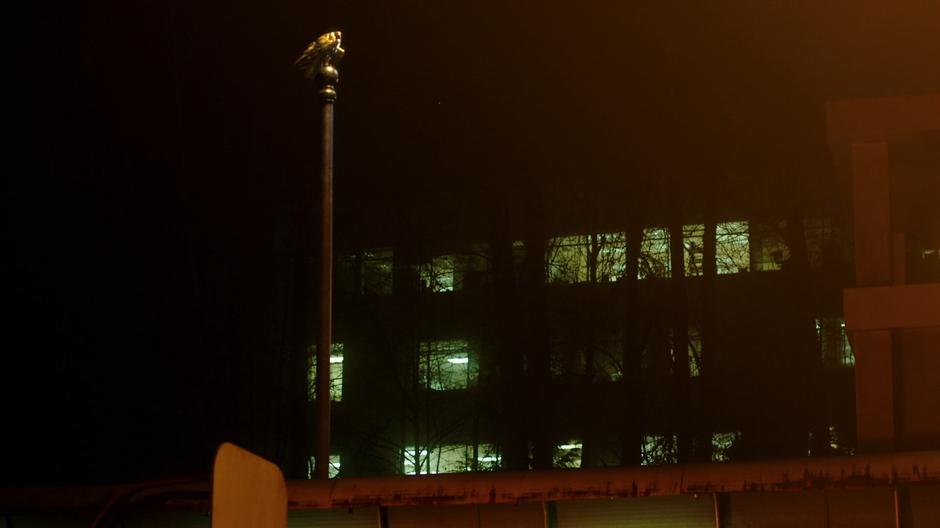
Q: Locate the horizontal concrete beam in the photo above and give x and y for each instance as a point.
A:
(844, 472)
(878, 119)
(515, 487)
(887, 307)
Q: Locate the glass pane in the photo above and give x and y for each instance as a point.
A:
(695, 351)
(693, 243)
(732, 251)
(446, 365)
(722, 445)
(449, 458)
(333, 470)
(820, 243)
(567, 259)
(336, 373)
(416, 462)
(438, 275)
(611, 256)
(654, 254)
(455, 271)
(834, 345)
(769, 249)
(658, 449)
(568, 454)
(488, 458)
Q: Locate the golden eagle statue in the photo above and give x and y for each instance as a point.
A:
(323, 52)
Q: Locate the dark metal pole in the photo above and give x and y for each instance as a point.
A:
(325, 338)
(318, 62)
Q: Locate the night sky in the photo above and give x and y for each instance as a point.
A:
(165, 153)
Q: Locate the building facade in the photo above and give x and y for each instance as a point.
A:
(634, 345)
(691, 337)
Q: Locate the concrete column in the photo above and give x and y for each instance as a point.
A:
(874, 390)
(871, 195)
(874, 372)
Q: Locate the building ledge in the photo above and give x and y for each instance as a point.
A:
(844, 472)
(887, 307)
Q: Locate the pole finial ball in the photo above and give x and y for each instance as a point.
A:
(328, 74)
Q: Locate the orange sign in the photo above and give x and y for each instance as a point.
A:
(247, 491)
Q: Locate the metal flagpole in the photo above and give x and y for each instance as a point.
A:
(318, 63)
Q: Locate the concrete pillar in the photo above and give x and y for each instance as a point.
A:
(874, 368)
(874, 390)
(871, 195)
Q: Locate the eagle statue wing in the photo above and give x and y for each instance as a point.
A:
(325, 51)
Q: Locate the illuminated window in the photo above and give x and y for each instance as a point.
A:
(446, 365)
(567, 259)
(449, 459)
(834, 346)
(336, 373)
(488, 458)
(611, 251)
(442, 459)
(333, 470)
(456, 271)
(453, 459)
(723, 445)
(695, 351)
(567, 455)
(732, 250)
(654, 254)
(438, 275)
(658, 449)
(377, 269)
(416, 462)
(693, 243)
(769, 249)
